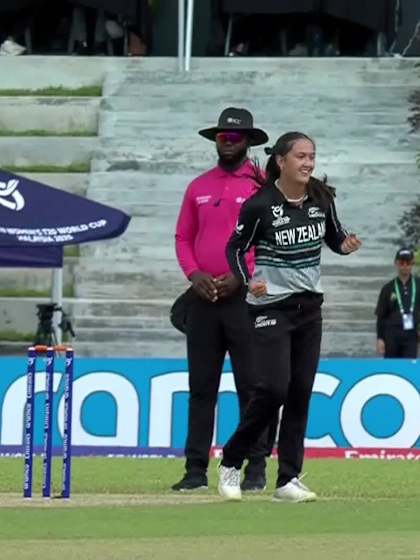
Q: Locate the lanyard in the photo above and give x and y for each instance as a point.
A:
(413, 296)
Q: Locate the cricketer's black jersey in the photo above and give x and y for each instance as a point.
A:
(287, 240)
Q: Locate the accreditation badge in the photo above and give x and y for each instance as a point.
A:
(408, 321)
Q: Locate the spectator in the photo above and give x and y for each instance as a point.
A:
(398, 311)
(79, 31)
(13, 27)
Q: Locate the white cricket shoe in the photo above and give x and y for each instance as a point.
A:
(229, 486)
(294, 492)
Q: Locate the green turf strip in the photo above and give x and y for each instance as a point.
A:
(256, 517)
(330, 478)
(54, 91)
(367, 547)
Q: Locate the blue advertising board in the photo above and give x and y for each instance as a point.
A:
(139, 406)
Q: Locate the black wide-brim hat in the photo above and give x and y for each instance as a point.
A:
(233, 119)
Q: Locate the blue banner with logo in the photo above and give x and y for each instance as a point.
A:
(35, 215)
(139, 406)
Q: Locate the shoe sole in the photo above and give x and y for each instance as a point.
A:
(190, 490)
(229, 498)
(254, 490)
(298, 501)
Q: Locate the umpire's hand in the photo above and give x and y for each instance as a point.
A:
(205, 286)
(226, 285)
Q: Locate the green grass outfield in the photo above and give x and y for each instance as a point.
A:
(123, 508)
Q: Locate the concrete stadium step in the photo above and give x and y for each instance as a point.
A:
(130, 309)
(348, 311)
(161, 284)
(170, 343)
(157, 209)
(153, 284)
(53, 114)
(34, 279)
(33, 151)
(359, 345)
(35, 72)
(139, 323)
(123, 108)
(147, 203)
(348, 344)
(20, 313)
(133, 247)
(37, 279)
(322, 73)
(156, 156)
(332, 283)
(107, 334)
(144, 323)
(139, 186)
(133, 311)
(379, 178)
(171, 106)
(162, 347)
(215, 97)
(125, 126)
(42, 71)
(135, 183)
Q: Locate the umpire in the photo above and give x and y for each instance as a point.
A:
(398, 311)
(217, 320)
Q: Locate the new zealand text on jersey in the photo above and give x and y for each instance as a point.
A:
(300, 234)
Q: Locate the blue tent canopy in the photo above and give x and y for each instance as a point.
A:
(31, 257)
(37, 221)
(36, 215)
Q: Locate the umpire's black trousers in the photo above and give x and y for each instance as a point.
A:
(212, 330)
(287, 339)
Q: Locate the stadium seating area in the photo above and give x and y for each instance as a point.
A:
(147, 150)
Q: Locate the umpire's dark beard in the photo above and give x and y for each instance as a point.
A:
(232, 162)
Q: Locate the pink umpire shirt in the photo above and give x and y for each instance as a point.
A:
(208, 216)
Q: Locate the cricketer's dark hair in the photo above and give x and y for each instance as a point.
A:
(318, 189)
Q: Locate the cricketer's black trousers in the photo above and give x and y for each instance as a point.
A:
(287, 340)
(400, 343)
(213, 329)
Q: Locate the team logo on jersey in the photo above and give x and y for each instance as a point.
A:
(315, 212)
(239, 228)
(278, 212)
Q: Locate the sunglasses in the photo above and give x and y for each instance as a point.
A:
(232, 137)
